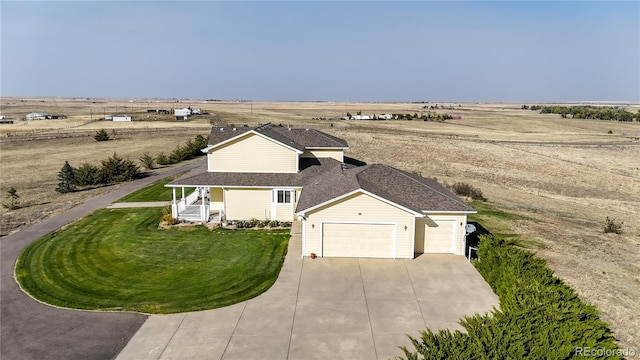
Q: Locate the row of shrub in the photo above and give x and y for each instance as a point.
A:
(110, 171)
(539, 317)
(253, 222)
(615, 113)
(189, 150)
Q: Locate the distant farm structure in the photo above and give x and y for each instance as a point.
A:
(121, 118)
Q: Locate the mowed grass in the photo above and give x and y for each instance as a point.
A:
(118, 259)
(156, 192)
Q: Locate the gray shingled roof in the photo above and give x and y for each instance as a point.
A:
(323, 180)
(405, 189)
(296, 138)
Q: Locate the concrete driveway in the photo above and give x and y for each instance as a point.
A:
(325, 309)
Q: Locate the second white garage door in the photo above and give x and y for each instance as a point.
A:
(439, 238)
(358, 240)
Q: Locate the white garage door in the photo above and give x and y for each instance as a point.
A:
(358, 240)
(439, 237)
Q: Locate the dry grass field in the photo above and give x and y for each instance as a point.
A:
(567, 175)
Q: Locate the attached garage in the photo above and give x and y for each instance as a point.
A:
(440, 235)
(358, 225)
(358, 240)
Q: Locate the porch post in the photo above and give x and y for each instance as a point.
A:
(174, 206)
(203, 195)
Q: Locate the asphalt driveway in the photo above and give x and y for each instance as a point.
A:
(31, 330)
(325, 309)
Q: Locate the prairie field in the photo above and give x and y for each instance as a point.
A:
(566, 175)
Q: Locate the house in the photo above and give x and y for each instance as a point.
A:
(347, 208)
(121, 118)
(182, 114)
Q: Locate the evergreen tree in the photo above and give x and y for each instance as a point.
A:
(13, 196)
(66, 178)
(101, 135)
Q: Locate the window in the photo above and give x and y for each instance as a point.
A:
(284, 196)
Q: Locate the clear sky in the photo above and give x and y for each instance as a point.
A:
(335, 51)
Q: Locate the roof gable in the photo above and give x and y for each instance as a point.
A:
(295, 138)
(246, 134)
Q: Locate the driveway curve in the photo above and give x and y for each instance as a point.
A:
(32, 330)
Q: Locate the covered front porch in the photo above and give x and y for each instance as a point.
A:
(203, 204)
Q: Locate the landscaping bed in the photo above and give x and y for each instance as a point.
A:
(118, 259)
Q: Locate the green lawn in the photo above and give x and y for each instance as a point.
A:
(501, 224)
(118, 259)
(156, 192)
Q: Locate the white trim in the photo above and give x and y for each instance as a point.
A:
(281, 187)
(394, 249)
(326, 148)
(304, 237)
(448, 212)
(255, 133)
(464, 237)
(275, 203)
(224, 203)
(338, 198)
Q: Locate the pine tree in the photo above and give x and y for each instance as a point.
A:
(13, 196)
(101, 135)
(66, 178)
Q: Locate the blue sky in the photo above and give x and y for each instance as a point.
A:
(334, 51)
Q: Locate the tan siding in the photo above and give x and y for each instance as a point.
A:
(243, 204)
(284, 212)
(320, 153)
(216, 199)
(361, 208)
(253, 153)
(426, 227)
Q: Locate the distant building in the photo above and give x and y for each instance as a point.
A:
(37, 116)
(182, 114)
(121, 118)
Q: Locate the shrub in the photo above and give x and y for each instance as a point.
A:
(464, 189)
(263, 223)
(87, 175)
(253, 222)
(610, 132)
(116, 169)
(147, 161)
(274, 223)
(101, 135)
(162, 159)
(285, 224)
(166, 218)
(539, 316)
(612, 226)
